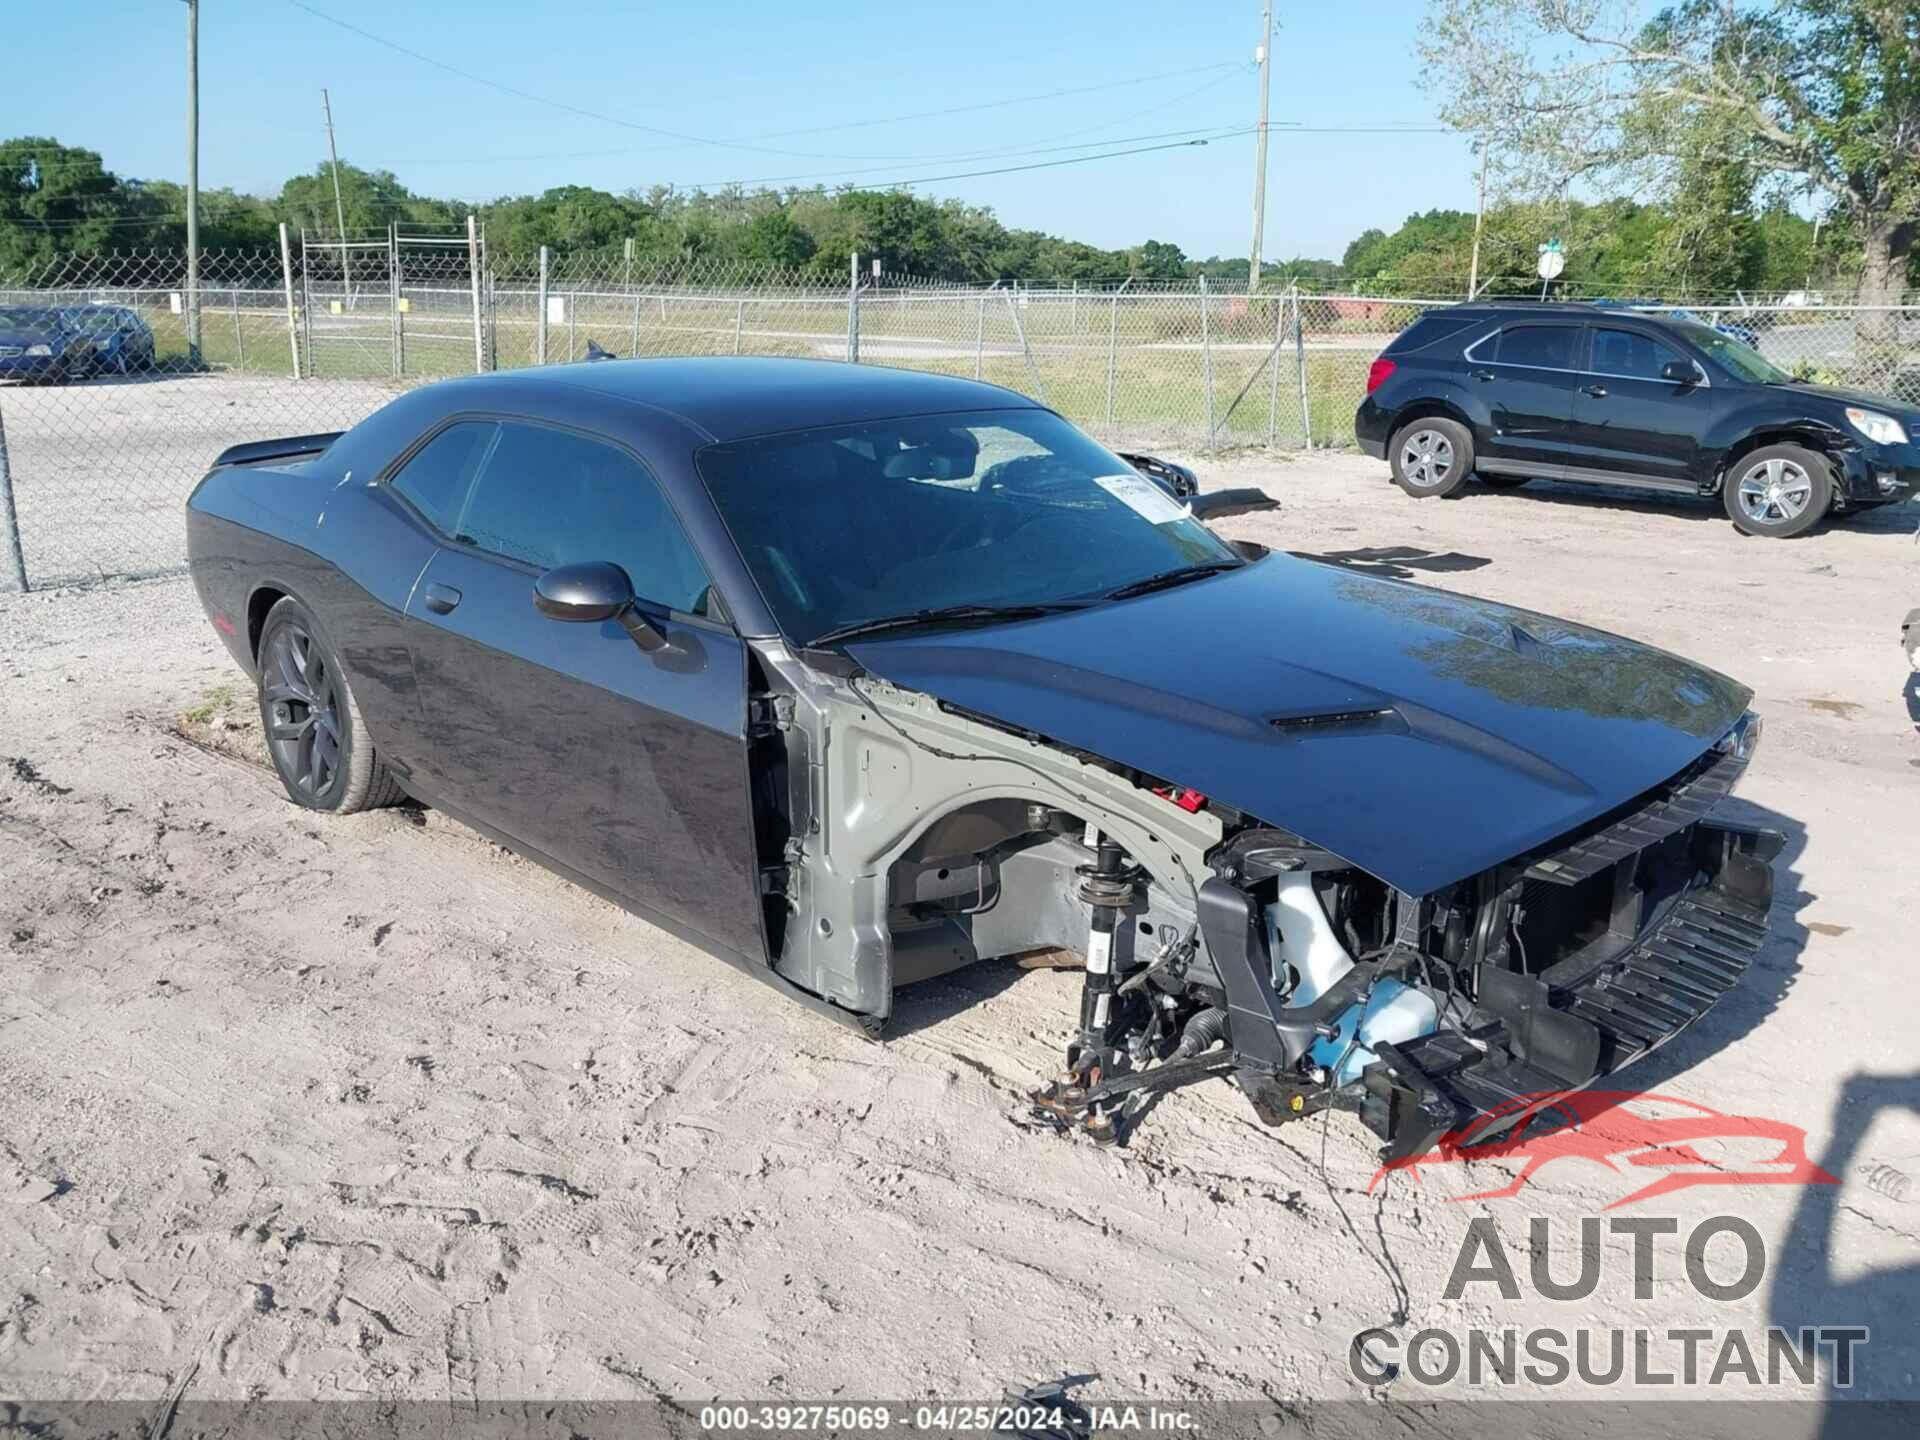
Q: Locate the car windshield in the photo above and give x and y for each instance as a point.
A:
(1743, 360)
(25, 317)
(1005, 508)
(95, 319)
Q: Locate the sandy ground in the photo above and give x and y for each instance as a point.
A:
(297, 1108)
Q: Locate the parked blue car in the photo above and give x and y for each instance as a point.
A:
(43, 343)
(122, 341)
(1733, 330)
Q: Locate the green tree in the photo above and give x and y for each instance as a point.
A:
(56, 199)
(774, 237)
(1822, 95)
(1158, 260)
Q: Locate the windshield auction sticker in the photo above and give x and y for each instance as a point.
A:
(1140, 494)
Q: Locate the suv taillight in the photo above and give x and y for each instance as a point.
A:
(1378, 372)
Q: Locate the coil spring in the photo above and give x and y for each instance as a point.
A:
(1892, 1183)
(1108, 892)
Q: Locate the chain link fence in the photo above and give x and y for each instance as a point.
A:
(150, 373)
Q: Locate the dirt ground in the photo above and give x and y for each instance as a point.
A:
(300, 1108)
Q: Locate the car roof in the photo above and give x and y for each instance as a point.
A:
(1610, 310)
(733, 397)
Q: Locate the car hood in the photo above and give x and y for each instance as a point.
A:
(1420, 735)
(1866, 400)
(13, 336)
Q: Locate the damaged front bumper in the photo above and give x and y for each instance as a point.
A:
(1636, 930)
(1535, 1041)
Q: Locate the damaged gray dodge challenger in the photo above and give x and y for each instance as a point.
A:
(855, 676)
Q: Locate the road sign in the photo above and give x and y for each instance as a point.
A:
(1552, 262)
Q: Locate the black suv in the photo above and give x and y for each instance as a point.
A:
(1515, 392)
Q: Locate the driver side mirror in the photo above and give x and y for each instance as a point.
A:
(593, 591)
(1681, 372)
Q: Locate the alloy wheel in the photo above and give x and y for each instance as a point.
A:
(302, 712)
(1426, 459)
(1775, 493)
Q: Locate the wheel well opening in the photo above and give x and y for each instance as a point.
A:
(1812, 440)
(1428, 410)
(986, 880)
(262, 600)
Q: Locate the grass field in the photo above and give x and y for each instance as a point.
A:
(1137, 373)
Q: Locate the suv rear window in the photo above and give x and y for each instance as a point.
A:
(1545, 347)
(1427, 330)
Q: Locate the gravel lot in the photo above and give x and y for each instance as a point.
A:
(297, 1108)
(100, 468)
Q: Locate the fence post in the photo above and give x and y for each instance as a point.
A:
(633, 345)
(853, 307)
(1206, 360)
(14, 563)
(395, 324)
(239, 343)
(980, 336)
(1300, 361)
(1113, 339)
(286, 281)
(473, 288)
(540, 313)
(1273, 370)
(1026, 350)
(306, 307)
(739, 320)
(573, 310)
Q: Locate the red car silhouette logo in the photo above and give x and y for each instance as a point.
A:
(1613, 1128)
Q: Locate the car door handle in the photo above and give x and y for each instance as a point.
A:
(441, 598)
(1483, 375)
(1598, 392)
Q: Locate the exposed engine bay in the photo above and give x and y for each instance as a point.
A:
(902, 839)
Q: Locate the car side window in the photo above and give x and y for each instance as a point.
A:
(1545, 347)
(549, 497)
(436, 480)
(1630, 354)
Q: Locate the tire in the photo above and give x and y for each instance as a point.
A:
(1503, 482)
(1777, 491)
(1431, 457)
(315, 737)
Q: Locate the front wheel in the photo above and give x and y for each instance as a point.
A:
(314, 732)
(1431, 457)
(1778, 491)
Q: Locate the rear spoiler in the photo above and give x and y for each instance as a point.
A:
(286, 448)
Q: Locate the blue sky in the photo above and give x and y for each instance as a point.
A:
(752, 72)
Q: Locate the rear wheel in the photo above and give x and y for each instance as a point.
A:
(1778, 491)
(314, 733)
(1431, 457)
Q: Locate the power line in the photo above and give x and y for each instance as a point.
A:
(1211, 132)
(677, 135)
(1037, 165)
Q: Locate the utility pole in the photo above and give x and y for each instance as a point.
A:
(1479, 220)
(1263, 54)
(193, 181)
(339, 210)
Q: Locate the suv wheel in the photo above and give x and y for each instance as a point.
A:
(1431, 457)
(1778, 491)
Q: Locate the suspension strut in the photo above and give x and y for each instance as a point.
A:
(1107, 887)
